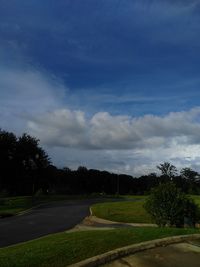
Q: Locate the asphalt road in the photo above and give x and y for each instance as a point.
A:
(46, 219)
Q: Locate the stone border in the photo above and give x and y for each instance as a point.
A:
(125, 251)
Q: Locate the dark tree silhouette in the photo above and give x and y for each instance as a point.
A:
(32, 160)
(23, 163)
(167, 169)
(25, 168)
(189, 174)
(8, 142)
(192, 179)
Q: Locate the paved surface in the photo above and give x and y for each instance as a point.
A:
(98, 222)
(47, 219)
(177, 255)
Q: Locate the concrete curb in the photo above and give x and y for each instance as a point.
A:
(90, 211)
(125, 251)
(93, 219)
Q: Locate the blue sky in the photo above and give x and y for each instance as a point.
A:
(103, 83)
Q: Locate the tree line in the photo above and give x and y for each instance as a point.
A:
(25, 169)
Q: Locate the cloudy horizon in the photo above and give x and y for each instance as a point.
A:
(111, 85)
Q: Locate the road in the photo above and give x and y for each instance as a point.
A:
(178, 255)
(46, 219)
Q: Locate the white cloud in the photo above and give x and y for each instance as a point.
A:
(65, 127)
(32, 101)
(60, 128)
(133, 145)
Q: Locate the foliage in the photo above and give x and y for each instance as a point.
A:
(192, 178)
(25, 168)
(63, 249)
(189, 174)
(167, 169)
(23, 163)
(168, 205)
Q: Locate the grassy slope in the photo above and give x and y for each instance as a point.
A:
(59, 250)
(129, 211)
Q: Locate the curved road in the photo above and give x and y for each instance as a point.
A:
(46, 219)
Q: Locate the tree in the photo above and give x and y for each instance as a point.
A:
(8, 142)
(189, 174)
(168, 205)
(31, 161)
(30, 154)
(191, 178)
(167, 169)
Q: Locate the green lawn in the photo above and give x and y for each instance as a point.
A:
(128, 211)
(11, 206)
(60, 250)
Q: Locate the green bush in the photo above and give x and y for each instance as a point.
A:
(169, 206)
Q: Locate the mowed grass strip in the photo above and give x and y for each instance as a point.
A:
(13, 205)
(127, 211)
(60, 250)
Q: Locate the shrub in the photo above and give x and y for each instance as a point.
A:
(169, 206)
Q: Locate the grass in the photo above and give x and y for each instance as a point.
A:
(128, 211)
(196, 199)
(11, 206)
(59, 250)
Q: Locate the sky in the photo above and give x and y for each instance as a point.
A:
(107, 84)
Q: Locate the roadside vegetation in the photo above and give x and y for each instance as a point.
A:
(168, 205)
(14, 205)
(65, 248)
(127, 211)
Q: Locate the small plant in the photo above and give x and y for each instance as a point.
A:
(169, 206)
